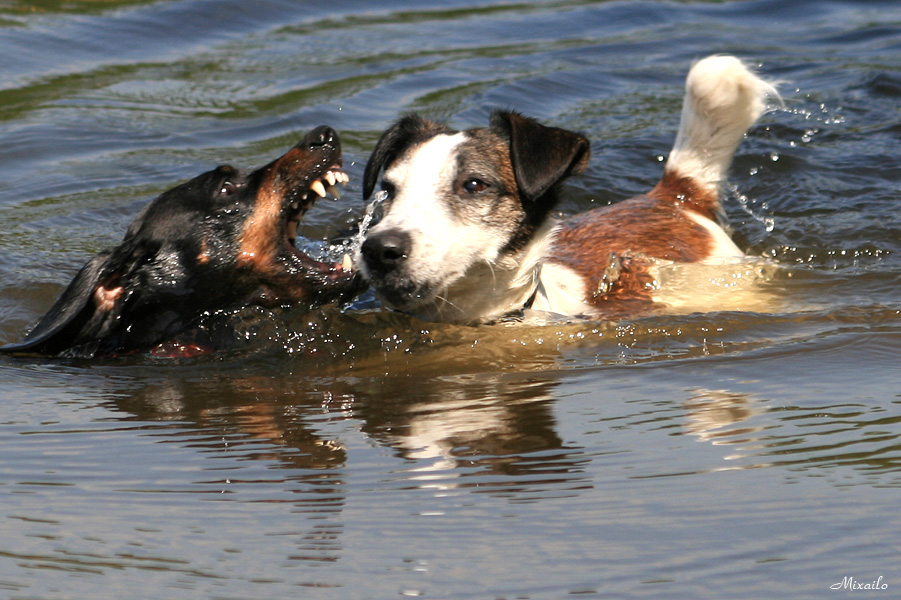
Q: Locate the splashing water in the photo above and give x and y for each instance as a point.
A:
(352, 246)
(349, 246)
(768, 222)
(823, 115)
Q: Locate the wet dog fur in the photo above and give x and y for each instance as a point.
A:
(224, 239)
(467, 233)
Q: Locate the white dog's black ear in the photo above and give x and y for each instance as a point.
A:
(542, 156)
(409, 130)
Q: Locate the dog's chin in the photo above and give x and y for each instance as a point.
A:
(402, 300)
(406, 296)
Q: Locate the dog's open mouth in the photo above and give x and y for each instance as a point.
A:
(310, 171)
(287, 188)
(302, 199)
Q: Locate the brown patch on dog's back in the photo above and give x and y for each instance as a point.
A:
(687, 193)
(613, 248)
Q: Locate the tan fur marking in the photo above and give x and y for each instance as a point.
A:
(105, 298)
(507, 174)
(204, 256)
(258, 244)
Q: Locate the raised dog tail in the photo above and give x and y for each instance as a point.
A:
(723, 98)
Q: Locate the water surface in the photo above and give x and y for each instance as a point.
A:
(359, 454)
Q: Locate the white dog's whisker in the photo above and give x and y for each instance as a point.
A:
(445, 302)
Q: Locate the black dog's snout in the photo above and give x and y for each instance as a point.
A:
(386, 250)
(321, 136)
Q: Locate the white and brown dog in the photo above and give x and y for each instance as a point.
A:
(468, 235)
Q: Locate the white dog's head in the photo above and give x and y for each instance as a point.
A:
(461, 209)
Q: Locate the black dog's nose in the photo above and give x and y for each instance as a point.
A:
(385, 250)
(321, 136)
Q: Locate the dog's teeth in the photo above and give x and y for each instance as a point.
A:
(292, 230)
(344, 177)
(295, 205)
(347, 264)
(329, 177)
(317, 187)
(334, 192)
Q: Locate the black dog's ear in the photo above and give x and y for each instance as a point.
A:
(410, 129)
(91, 301)
(542, 156)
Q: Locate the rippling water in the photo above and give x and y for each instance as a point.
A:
(358, 454)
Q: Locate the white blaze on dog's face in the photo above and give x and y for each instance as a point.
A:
(453, 206)
(456, 221)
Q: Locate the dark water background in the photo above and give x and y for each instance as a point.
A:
(364, 455)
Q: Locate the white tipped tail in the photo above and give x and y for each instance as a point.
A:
(723, 98)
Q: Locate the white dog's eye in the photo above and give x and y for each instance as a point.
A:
(388, 188)
(474, 186)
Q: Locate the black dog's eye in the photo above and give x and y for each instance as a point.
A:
(474, 186)
(227, 189)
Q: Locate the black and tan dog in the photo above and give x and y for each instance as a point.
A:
(224, 239)
(468, 232)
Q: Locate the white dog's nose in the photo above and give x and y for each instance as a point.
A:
(383, 251)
